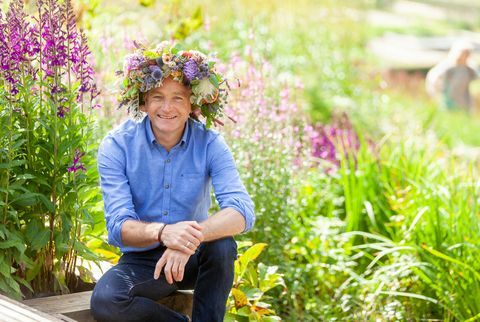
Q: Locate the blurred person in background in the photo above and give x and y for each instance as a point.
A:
(450, 79)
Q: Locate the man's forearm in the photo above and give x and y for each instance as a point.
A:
(140, 234)
(226, 222)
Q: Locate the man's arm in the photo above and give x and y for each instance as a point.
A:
(184, 236)
(226, 222)
(237, 210)
(140, 234)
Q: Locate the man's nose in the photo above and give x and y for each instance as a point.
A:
(167, 105)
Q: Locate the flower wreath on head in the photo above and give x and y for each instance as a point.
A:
(147, 68)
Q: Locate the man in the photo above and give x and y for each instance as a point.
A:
(450, 79)
(155, 177)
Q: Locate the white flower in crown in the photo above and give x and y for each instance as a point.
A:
(205, 92)
(162, 46)
(197, 56)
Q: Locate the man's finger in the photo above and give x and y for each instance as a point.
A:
(187, 249)
(196, 234)
(181, 270)
(175, 269)
(168, 272)
(158, 268)
(191, 245)
(195, 225)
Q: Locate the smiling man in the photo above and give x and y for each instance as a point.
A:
(156, 176)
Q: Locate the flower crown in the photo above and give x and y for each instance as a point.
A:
(147, 68)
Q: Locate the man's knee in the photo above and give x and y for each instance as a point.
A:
(224, 249)
(105, 306)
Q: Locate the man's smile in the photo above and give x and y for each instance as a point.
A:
(166, 117)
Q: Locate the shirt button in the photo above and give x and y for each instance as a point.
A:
(168, 161)
(165, 212)
(167, 186)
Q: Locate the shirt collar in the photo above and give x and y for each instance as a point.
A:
(151, 137)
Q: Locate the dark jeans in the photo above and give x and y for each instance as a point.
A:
(128, 291)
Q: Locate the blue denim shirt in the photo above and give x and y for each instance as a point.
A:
(140, 180)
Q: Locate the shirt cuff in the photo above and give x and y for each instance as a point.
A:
(246, 210)
(115, 224)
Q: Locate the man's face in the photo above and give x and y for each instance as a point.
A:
(168, 107)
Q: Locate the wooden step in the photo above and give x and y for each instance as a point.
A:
(76, 306)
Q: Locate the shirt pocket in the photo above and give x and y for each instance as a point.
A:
(188, 192)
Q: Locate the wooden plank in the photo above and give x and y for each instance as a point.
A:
(76, 306)
(12, 311)
(62, 303)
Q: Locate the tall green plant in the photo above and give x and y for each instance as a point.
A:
(48, 92)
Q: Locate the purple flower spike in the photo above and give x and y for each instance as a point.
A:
(77, 165)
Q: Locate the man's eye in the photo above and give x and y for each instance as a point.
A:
(178, 98)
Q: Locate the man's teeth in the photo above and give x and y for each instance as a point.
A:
(167, 117)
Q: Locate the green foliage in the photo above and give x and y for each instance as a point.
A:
(46, 206)
(251, 282)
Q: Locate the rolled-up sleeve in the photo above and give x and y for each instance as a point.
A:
(229, 189)
(117, 196)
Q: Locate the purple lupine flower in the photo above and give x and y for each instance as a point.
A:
(191, 70)
(54, 37)
(329, 142)
(61, 111)
(77, 165)
(69, 18)
(322, 145)
(84, 71)
(18, 45)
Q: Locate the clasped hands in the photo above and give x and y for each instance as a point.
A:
(181, 240)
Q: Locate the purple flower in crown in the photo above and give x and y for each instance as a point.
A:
(132, 62)
(77, 165)
(156, 72)
(191, 70)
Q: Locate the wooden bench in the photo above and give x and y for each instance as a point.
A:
(76, 306)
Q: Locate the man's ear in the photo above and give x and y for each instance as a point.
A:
(142, 107)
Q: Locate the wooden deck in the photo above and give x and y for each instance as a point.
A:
(76, 307)
(13, 311)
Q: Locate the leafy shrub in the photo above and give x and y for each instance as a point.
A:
(251, 282)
